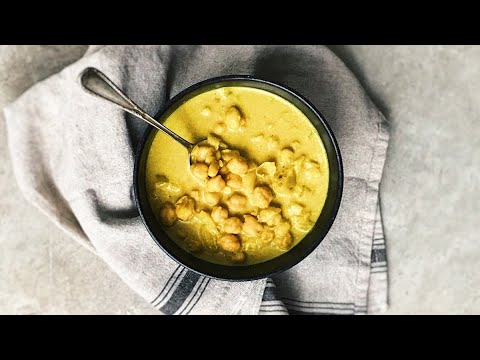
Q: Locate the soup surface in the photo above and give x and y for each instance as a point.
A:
(253, 191)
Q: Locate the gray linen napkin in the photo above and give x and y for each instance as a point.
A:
(73, 158)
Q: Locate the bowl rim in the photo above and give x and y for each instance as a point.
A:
(218, 79)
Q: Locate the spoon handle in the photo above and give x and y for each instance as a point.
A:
(97, 83)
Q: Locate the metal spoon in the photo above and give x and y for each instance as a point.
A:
(97, 83)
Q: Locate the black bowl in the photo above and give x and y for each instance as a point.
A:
(280, 263)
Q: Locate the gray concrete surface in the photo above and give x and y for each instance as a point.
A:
(430, 190)
(429, 196)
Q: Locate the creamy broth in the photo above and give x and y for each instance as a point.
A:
(284, 155)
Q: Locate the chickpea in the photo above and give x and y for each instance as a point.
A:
(286, 156)
(210, 159)
(282, 229)
(238, 165)
(271, 216)
(229, 243)
(228, 154)
(223, 170)
(213, 140)
(167, 214)
(237, 202)
(216, 184)
(199, 171)
(267, 235)
(262, 197)
(266, 170)
(251, 226)
(248, 181)
(184, 208)
(234, 181)
(219, 214)
(195, 194)
(200, 207)
(213, 169)
(212, 198)
(258, 139)
(272, 142)
(286, 241)
(294, 209)
(201, 152)
(238, 257)
(233, 225)
(233, 118)
(220, 128)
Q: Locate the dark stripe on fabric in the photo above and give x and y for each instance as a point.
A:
(181, 293)
(198, 298)
(298, 312)
(173, 285)
(202, 280)
(379, 255)
(320, 303)
(166, 284)
(320, 307)
(270, 294)
(271, 305)
(273, 312)
(326, 306)
(282, 310)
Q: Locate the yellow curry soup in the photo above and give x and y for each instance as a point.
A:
(253, 191)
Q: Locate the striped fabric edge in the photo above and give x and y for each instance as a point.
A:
(170, 286)
(379, 251)
(278, 311)
(299, 307)
(181, 293)
(198, 294)
(378, 288)
(378, 270)
(379, 255)
(271, 302)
